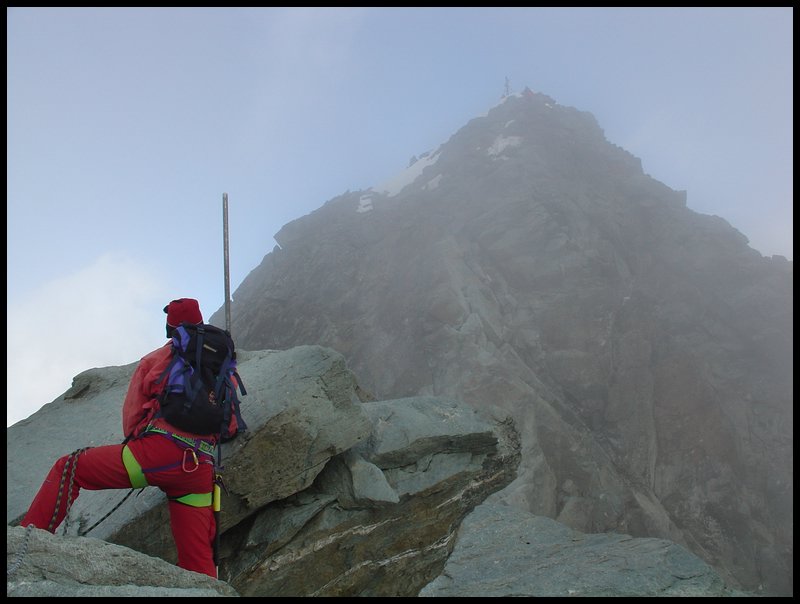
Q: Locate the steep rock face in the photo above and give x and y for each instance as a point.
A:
(644, 350)
(326, 494)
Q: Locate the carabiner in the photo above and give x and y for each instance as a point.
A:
(194, 458)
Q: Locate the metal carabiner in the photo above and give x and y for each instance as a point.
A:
(194, 458)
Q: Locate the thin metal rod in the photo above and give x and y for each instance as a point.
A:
(227, 261)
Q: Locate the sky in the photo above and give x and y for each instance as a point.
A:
(126, 126)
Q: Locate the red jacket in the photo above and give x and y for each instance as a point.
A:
(141, 401)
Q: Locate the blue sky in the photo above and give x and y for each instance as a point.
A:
(125, 126)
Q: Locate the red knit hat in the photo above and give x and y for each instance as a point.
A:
(183, 310)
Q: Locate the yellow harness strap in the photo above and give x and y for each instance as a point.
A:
(138, 479)
(196, 500)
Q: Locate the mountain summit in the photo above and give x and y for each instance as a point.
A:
(644, 349)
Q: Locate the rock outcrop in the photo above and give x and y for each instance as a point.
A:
(43, 565)
(328, 494)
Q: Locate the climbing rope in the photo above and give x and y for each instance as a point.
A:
(114, 509)
(73, 458)
(21, 554)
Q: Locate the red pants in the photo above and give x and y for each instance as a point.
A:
(162, 461)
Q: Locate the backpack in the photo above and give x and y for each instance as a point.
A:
(200, 392)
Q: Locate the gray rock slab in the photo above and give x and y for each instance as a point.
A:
(501, 551)
(41, 564)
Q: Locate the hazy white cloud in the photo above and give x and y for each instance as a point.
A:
(108, 313)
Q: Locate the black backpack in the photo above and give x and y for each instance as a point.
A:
(200, 393)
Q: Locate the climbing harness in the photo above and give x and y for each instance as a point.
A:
(198, 445)
(189, 463)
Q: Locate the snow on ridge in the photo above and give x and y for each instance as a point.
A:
(397, 183)
(501, 142)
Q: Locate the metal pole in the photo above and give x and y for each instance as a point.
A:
(227, 261)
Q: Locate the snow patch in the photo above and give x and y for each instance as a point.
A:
(396, 184)
(501, 142)
(364, 204)
(433, 183)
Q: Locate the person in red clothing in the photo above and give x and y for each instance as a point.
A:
(154, 453)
